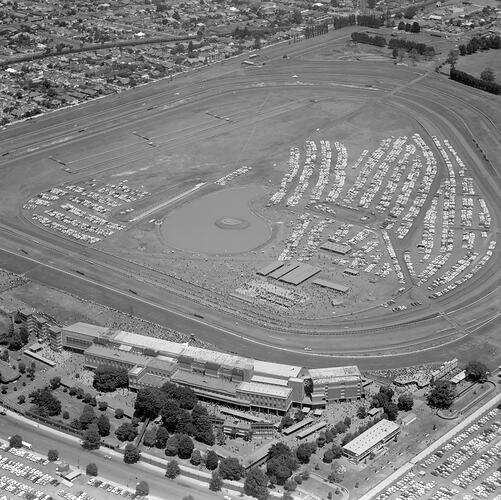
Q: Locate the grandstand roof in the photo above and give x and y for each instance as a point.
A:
(276, 369)
(334, 372)
(265, 389)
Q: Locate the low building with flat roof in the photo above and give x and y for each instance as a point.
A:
(371, 440)
(331, 246)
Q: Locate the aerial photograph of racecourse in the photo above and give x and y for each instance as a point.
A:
(249, 250)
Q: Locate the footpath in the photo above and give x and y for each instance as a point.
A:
(428, 451)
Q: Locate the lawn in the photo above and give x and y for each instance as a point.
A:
(474, 64)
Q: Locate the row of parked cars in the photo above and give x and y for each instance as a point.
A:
(110, 488)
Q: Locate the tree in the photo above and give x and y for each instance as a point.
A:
(475, 370)
(148, 403)
(290, 485)
(119, 413)
(21, 367)
(340, 427)
(286, 421)
(387, 392)
(328, 456)
(91, 469)
(414, 55)
(336, 475)
(126, 432)
(142, 488)
(170, 412)
(361, 412)
(52, 455)
(102, 406)
(184, 423)
(109, 378)
(256, 483)
(88, 416)
(24, 334)
(202, 430)
(16, 441)
(55, 382)
(337, 451)
(452, 58)
(91, 438)
(297, 17)
(211, 460)
(21, 399)
(103, 425)
(441, 395)
(328, 436)
(216, 483)
(196, 458)
(391, 410)
(304, 452)
(320, 441)
(161, 437)
(405, 402)
(185, 446)
(278, 449)
(131, 454)
(47, 405)
(230, 468)
(66, 415)
(487, 75)
(15, 342)
(172, 470)
(172, 445)
(150, 437)
(347, 421)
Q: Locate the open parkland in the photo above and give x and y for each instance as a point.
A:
(170, 201)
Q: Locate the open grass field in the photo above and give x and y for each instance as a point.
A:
(360, 153)
(474, 64)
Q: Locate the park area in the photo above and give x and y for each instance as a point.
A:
(474, 64)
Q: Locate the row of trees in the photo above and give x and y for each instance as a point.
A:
(480, 43)
(342, 22)
(379, 41)
(478, 83)
(408, 45)
(370, 20)
(411, 28)
(316, 30)
(16, 339)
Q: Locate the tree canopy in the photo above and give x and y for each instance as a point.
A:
(441, 395)
(230, 468)
(131, 454)
(108, 378)
(405, 401)
(255, 484)
(475, 370)
(47, 405)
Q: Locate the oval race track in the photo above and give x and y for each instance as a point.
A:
(373, 338)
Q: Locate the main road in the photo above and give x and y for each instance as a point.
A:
(373, 339)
